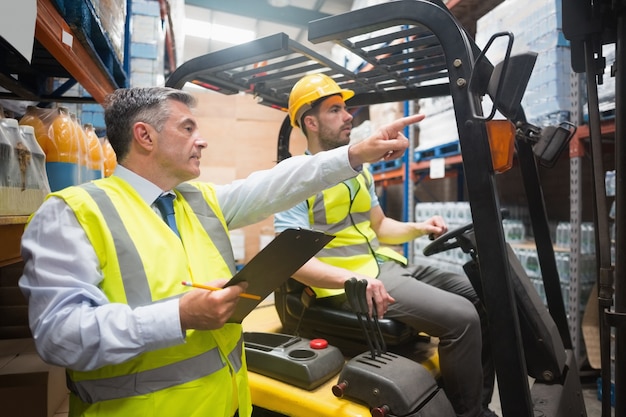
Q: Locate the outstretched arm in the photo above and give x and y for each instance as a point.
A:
(248, 201)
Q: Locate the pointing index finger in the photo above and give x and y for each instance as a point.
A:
(399, 124)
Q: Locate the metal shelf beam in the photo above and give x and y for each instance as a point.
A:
(50, 29)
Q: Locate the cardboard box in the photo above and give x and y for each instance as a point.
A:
(28, 386)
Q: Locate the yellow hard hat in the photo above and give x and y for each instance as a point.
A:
(309, 89)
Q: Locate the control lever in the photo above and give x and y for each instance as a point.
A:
(361, 287)
(350, 286)
(380, 379)
(379, 332)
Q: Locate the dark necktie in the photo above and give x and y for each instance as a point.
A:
(165, 204)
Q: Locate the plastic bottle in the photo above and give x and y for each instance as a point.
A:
(34, 117)
(110, 159)
(562, 266)
(563, 235)
(587, 238)
(63, 158)
(609, 182)
(96, 154)
(36, 176)
(9, 169)
(83, 150)
(23, 185)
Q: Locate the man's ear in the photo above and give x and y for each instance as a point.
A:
(310, 122)
(142, 134)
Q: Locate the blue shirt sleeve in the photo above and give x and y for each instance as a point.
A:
(373, 196)
(295, 217)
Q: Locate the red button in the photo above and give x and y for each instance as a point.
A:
(318, 344)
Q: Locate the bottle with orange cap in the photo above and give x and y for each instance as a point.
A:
(96, 154)
(63, 159)
(37, 118)
(83, 149)
(110, 159)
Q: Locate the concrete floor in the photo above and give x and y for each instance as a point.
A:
(592, 404)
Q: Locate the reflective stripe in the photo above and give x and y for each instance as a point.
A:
(319, 210)
(334, 228)
(146, 382)
(210, 222)
(345, 251)
(234, 357)
(133, 274)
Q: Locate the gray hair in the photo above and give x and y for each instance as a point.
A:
(126, 106)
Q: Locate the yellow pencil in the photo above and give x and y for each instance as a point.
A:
(208, 287)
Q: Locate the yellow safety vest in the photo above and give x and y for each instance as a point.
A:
(344, 211)
(143, 262)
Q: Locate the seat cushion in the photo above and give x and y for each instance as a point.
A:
(324, 321)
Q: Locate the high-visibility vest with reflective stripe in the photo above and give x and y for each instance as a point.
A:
(344, 211)
(143, 263)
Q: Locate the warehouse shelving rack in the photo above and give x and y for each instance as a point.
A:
(88, 60)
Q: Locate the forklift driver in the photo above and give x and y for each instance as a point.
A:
(442, 304)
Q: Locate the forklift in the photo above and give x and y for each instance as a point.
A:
(316, 361)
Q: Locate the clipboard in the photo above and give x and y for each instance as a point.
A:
(275, 264)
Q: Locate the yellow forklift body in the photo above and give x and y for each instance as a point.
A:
(274, 395)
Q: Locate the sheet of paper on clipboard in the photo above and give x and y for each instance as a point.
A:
(275, 264)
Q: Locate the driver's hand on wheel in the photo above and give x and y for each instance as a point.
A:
(434, 227)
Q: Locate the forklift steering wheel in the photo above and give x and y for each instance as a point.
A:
(448, 240)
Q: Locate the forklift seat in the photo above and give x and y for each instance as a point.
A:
(340, 327)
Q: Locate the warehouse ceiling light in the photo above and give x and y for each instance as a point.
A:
(222, 33)
(279, 3)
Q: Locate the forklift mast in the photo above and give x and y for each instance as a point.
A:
(589, 25)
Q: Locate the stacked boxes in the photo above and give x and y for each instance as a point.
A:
(112, 16)
(28, 386)
(537, 27)
(439, 126)
(147, 45)
(100, 25)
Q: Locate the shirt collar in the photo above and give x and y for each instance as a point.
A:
(148, 191)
